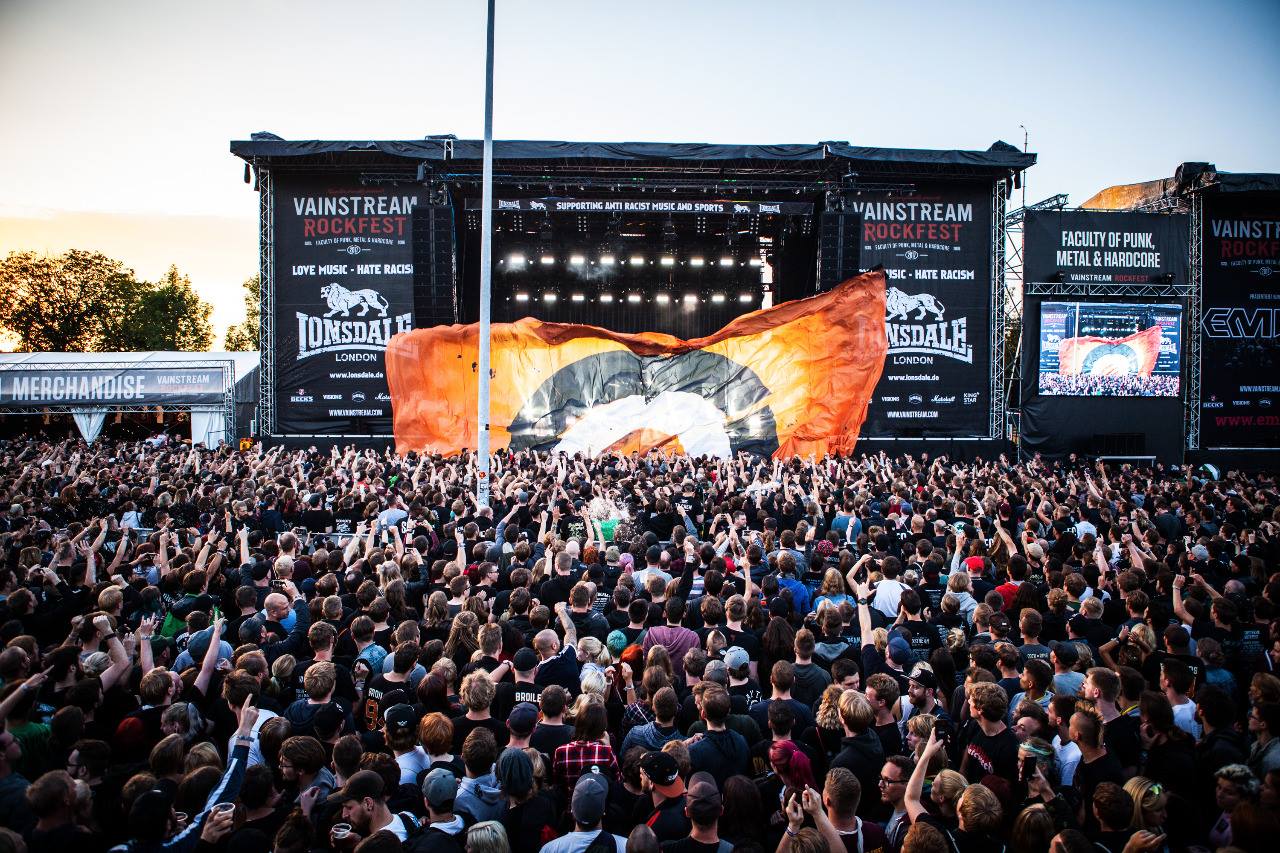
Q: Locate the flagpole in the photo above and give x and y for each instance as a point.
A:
(486, 276)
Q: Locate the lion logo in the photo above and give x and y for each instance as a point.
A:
(899, 305)
(341, 300)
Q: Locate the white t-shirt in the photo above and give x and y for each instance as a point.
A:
(396, 828)
(1068, 755)
(255, 754)
(888, 594)
(411, 764)
(576, 842)
(1184, 716)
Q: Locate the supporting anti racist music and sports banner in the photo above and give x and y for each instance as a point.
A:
(935, 246)
(795, 378)
(343, 287)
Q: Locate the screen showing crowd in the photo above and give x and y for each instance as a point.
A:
(1110, 349)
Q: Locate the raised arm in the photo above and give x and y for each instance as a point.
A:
(120, 663)
(915, 785)
(210, 658)
(570, 632)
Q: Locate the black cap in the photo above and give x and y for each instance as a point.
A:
(525, 660)
(363, 783)
(399, 718)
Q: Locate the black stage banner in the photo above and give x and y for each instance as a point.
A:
(935, 247)
(55, 385)
(1239, 329)
(1082, 246)
(343, 287)
(631, 205)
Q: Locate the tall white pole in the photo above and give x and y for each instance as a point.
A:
(486, 276)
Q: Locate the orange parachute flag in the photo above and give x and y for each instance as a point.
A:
(1134, 355)
(792, 379)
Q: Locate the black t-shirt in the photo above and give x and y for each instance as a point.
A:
(547, 738)
(462, 726)
(1121, 739)
(688, 845)
(1089, 775)
(988, 755)
(317, 520)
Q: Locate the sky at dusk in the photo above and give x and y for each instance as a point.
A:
(115, 118)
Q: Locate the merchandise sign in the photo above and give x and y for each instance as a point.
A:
(1240, 322)
(1084, 246)
(57, 385)
(343, 287)
(935, 247)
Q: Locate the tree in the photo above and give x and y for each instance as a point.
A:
(72, 302)
(243, 337)
(168, 315)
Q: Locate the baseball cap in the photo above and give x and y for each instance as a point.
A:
(1067, 652)
(703, 799)
(400, 717)
(612, 555)
(1000, 622)
(664, 773)
(975, 564)
(363, 783)
(439, 787)
(523, 718)
(899, 651)
(925, 679)
(525, 660)
(736, 658)
(1079, 624)
(588, 799)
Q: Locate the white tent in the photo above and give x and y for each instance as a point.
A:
(89, 386)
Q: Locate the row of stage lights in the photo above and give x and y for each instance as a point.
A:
(636, 298)
(517, 261)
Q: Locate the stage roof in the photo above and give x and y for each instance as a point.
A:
(1000, 157)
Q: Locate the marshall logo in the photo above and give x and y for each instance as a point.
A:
(949, 338)
(770, 208)
(504, 204)
(331, 333)
(383, 397)
(939, 400)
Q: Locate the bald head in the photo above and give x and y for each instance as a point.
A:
(546, 643)
(277, 607)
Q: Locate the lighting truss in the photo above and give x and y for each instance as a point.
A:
(999, 312)
(1195, 297)
(267, 303)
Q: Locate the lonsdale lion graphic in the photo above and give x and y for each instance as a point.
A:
(341, 300)
(899, 305)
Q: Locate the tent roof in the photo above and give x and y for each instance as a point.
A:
(244, 362)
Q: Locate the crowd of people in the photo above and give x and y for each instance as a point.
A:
(1110, 385)
(284, 649)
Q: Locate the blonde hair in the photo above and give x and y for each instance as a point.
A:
(950, 785)
(828, 716)
(594, 651)
(979, 809)
(203, 754)
(488, 836)
(1145, 798)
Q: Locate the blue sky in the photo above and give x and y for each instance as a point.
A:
(126, 108)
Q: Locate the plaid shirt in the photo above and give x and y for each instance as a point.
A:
(578, 757)
(636, 714)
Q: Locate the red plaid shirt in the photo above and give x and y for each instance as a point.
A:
(578, 757)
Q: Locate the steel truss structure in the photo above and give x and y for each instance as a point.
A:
(1092, 288)
(1195, 299)
(267, 303)
(999, 311)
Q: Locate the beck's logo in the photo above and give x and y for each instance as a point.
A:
(331, 332)
(907, 334)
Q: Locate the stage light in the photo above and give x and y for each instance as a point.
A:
(744, 297)
(696, 262)
(577, 260)
(755, 262)
(515, 260)
(606, 260)
(637, 259)
(633, 297)
(548, 260)
(522, 297)
(578, 297)
(726, 261)
(668, 261)
(690, 298)
(548, 297)
(717, 297)
(662, 299)
(606, 297)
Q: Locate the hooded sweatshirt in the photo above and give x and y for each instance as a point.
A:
(480, 798)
